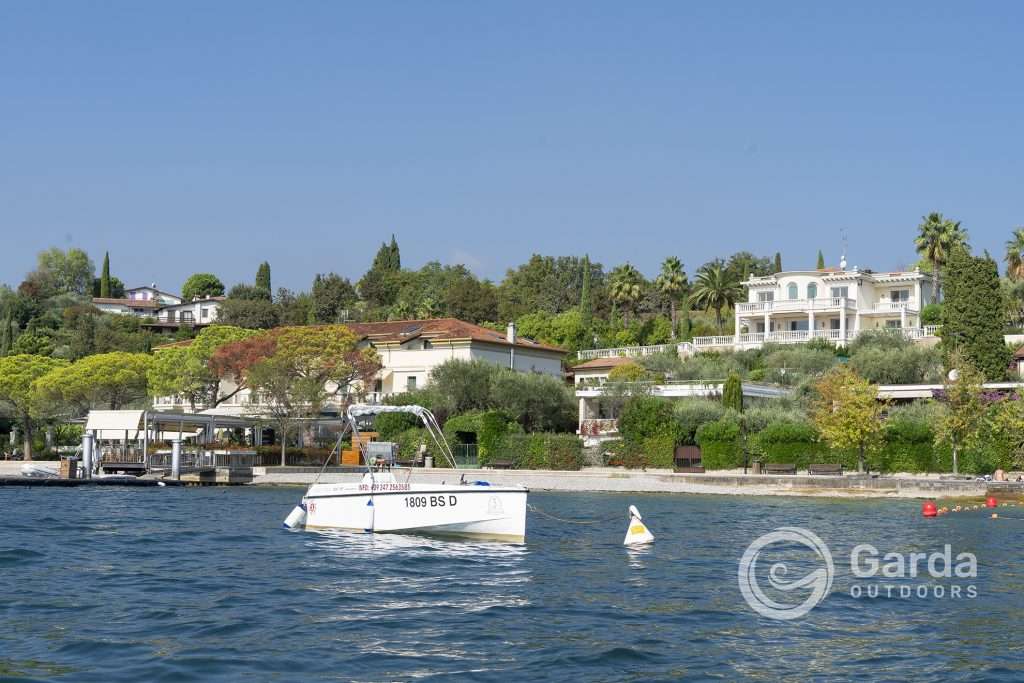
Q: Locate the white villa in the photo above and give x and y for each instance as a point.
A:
(796, 306)
(410, 349)
(167, 311)
(836, 305)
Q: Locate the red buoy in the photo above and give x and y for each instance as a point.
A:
(928, 509)
(991, 502)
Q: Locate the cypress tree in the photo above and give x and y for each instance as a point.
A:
(395, 256)
(263, 279)
(972, 315)
(821, 260)
(732, 392)
(6, 338)
(105, 277)
(586, 304)
(778, 262)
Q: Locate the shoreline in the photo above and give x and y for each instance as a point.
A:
(665, 481)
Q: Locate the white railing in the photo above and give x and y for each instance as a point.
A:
(894, 307)
(800, 305)
(720, 340)
(748, 339)
(627, 351)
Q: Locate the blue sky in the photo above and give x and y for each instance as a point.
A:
(208, 136)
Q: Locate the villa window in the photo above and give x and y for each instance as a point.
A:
(792, 291)
(812, 291)
(840, 292)
(892, 324)
(766, 296)
(899, 295)
(410, 383)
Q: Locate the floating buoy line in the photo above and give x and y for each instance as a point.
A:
(930, 509)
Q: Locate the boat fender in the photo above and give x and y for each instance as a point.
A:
(637, 532)
(296, 518)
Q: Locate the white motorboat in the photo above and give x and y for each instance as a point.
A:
(386, 500)
(38, 471)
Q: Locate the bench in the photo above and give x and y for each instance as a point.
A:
(779, 468)
(502, 465)
(830, 468)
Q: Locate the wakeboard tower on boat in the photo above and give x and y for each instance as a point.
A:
(384, 502)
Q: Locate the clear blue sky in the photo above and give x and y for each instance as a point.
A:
(194, 136)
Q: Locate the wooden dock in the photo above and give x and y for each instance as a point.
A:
(102, 481)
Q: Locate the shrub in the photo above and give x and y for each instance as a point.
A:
(388, 425)
(791, 442)
(720, 444)
(540, 451)
(931, 314)
(690, 414)
(645, 416)
(898, 365)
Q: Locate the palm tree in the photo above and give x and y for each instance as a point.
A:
(670, 283)
(715, 288)
(625, 288)
(936, 238)
(1015, 255)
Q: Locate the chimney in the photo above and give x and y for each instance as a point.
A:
(510, 332)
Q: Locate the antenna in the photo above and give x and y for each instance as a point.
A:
(842, 259)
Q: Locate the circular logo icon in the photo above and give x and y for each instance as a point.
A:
(818, 582)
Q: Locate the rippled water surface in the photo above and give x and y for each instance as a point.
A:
(110, 584)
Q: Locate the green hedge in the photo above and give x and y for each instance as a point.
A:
(719, 443)
(539, 451)
(790, 442)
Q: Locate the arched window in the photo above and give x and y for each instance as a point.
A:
(812, 291)
(793, 294)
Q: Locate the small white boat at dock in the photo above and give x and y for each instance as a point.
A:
(386, 500)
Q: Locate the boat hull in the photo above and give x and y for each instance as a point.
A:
(475, 511)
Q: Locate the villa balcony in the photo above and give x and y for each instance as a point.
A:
(833, 303)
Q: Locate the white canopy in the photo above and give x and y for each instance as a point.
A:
(363, 409)
(114, 421)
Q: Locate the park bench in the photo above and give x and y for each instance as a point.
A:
(829, 468)
(779, 468)
(502, 465)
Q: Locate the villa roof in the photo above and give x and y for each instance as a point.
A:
(152, 289)
(133, 303)
(440, 329)
(603, 363)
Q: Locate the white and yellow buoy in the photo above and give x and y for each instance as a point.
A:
(637, 533)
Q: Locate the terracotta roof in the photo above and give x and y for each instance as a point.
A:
(397, 331)
(603, 363)
(131, 303)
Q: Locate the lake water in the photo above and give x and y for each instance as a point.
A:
(109, 584)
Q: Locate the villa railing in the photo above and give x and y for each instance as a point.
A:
(894, 307)
(749, 339)
(799, 305)
(627, 351)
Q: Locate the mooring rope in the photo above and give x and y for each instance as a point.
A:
(534, 508)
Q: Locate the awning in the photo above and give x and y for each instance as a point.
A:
(114, 421)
